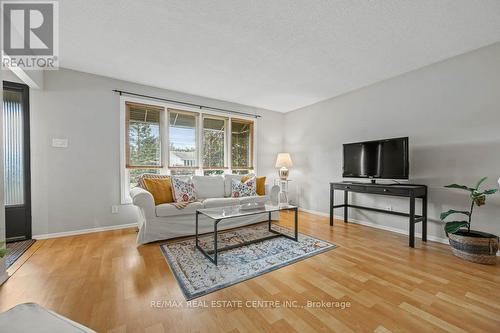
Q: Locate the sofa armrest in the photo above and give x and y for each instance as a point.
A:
(144, 200)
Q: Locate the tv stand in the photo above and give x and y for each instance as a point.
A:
(411, 191)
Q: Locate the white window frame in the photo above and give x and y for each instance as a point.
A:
(124, 174)
(226, 120)
(197, 138)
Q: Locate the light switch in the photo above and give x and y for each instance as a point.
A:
(59, 143)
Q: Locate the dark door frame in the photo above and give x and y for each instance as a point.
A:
(24, 90)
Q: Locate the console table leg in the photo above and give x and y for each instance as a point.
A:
(424, 220)
(332, 199)
(269, 221)
(346, 202)
(412, 221)
(296, 224)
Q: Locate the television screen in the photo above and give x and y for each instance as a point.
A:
(377, 159)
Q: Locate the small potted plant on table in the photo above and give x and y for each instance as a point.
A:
(471, 245)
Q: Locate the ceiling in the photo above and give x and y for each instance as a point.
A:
(276, 54)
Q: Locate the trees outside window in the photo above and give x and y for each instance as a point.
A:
(241, 144)
(214, 144)
(143, 139)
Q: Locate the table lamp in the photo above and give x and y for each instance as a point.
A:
(283, 161)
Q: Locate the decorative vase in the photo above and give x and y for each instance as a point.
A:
(476, 246)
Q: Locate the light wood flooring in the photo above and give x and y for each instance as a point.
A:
(104, 281)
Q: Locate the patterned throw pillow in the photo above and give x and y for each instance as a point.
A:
(246, 189)
(183, 189)
(260, 181)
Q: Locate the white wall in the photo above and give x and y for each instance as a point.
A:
(450, 111)
(74, 188)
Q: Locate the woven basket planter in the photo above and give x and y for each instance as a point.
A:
(476, 246)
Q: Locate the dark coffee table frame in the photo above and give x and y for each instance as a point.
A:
(215, 251)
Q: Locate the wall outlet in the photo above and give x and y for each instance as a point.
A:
(388, 208)
(114, 209)
(59, 143)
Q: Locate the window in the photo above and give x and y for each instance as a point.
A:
(214, 144)
(182, 172)
(212, 172)
(240, 171)
(165, 139)
(143, 138)
(182, 138)
(13, 148)
(241, 145)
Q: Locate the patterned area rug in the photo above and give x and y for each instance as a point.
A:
(197, 276)
(15, 250)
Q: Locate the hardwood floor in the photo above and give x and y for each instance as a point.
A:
(104, 281)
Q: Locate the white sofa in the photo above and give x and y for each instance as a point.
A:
(166, 221)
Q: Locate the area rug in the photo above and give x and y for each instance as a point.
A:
(15, 250)
(197, 276)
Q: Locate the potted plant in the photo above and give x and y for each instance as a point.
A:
(3, 253)
(471, 245)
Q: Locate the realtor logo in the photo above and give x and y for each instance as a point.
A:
(30, 35)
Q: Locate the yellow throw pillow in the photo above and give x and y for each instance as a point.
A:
(160, 188)
(260, 184)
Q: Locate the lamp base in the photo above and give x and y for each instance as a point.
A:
(283, 172)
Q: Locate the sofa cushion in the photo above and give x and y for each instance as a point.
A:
(140, 179)
(254, 199)
(246, 189)
(160, 188)
(220, 202)
(227, 183)
(209, 186)
(165, 210)
(260, 184)
(183, 189)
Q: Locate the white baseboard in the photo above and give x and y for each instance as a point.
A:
(378, 226)
(83, 231)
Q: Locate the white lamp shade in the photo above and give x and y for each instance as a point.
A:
(284, 160)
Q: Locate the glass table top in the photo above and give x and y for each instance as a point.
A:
(218, 213)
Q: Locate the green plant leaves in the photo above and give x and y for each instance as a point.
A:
(3, 250)
(480, 182)
(461, 187)
(491, 191)
(454, 226)
(475, 194)
(453, 211)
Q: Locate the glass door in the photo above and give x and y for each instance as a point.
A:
(16, 160)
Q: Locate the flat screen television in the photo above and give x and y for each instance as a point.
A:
(383, 159)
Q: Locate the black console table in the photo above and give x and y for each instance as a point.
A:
(400, 190)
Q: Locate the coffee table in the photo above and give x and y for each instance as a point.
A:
(221, 213)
